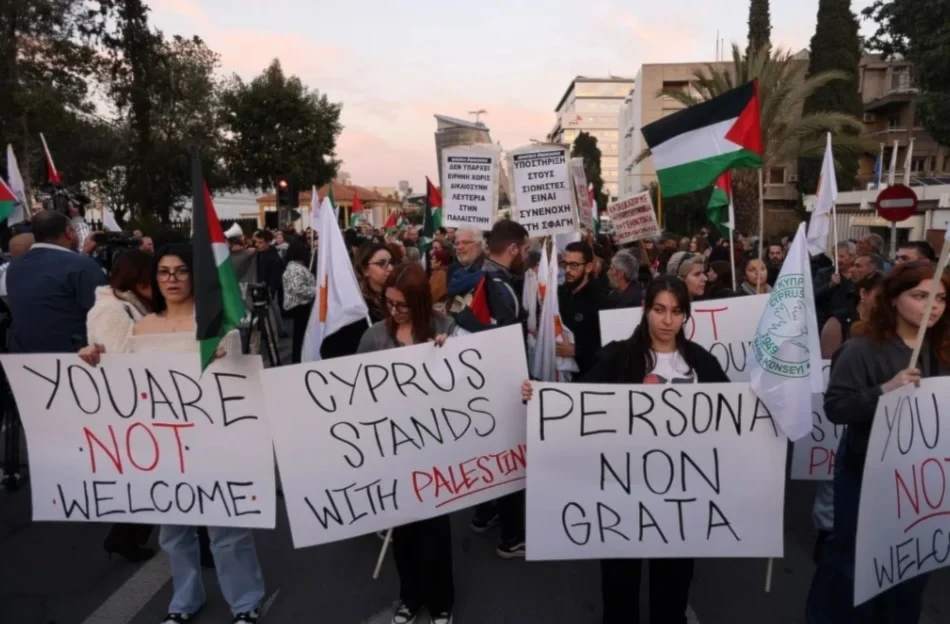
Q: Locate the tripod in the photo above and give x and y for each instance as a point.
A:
(261, 321)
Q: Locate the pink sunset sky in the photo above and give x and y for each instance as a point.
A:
(394, 64)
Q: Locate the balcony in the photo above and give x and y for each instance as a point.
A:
(902, 92)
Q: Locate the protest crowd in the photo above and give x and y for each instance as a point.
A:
(473, 335)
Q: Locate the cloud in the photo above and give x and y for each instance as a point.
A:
(183, 8)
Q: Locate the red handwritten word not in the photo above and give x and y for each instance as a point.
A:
(691, 331)
(929, 479)
(469, 477)
(136, 431)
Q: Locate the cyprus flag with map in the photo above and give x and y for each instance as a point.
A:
(786, 369)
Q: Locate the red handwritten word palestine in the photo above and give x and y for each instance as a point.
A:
(922, 495)
(138, 445)
(452, 483)
(823, 459)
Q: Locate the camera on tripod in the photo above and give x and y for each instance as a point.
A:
(260, 295)
(59, 199)
(110, 245)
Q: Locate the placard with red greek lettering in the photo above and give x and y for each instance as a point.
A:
(653, 471)
(470, 186)
(542, 198)
(904, 513)
(382, 439)
(724, 327)
(585, 208)
(146, 439)
(813, 457)
(633, 218)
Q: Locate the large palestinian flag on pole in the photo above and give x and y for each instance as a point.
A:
(218, 303)
(693, 147)
(720, 202)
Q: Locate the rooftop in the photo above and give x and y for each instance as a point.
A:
(577, 79)
(454, 121)
(341, 193)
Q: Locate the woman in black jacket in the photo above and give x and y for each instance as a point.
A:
(657, 353)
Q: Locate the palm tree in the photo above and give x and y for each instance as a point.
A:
(787, 134)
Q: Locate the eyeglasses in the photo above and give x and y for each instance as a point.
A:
(383, 264)
(573, 266)
(399, 306)
(181, 274)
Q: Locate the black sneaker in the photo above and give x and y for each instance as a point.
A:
(404, 615)
(246, 617)
(176, 618)
(485, 518)
(510, 549)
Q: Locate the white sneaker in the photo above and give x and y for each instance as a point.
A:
(443, 618)
(403, 615)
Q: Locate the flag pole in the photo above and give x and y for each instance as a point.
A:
(834, 226)
(768, 576)
(732, 235)
(382, 553)
(761, 217)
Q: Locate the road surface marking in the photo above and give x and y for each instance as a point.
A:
(134, 594)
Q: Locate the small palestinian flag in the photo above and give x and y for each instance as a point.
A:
(218, 303)
(8, 200)
(718, 208)
(356, 211)
(695, 146)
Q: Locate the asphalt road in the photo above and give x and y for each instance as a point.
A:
(59, 574)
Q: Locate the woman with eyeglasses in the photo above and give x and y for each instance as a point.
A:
(170, 328)
(870, 364)
(374, 264)
(658, 353)
(422, 550)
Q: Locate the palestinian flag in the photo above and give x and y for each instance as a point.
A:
(432, 217)
(218, 302)
(693, 147)
(720, 213)
(7, 200)
(52, 174)
(356, 212)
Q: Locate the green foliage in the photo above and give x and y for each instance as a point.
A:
(683, 213)
(836, 46)
(278, 126)
(787, 134)
(919, 30)
(585, 146)
(760, 26)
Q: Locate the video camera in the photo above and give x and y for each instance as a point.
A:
(110, 245)
(58, 199)
(260, 295)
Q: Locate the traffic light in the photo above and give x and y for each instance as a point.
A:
(287, 193)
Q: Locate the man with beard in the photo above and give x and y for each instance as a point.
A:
(580, 302)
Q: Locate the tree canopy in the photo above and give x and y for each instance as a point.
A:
(585, 146)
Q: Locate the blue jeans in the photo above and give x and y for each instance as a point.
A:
(235, 558)
(831, 596)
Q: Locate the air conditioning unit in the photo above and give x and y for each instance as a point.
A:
(792, 178)
(869, 118)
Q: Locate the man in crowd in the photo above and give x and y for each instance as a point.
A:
(51, 289)
(580, 303)
(270, 271)
(833, 290)
(464, 274)
(19, 245)
(774, 258)
(623, 275)
(915, 251)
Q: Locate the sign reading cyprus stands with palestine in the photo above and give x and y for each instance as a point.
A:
(541, 190)
(470, 186)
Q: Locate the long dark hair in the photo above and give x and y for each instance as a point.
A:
(641, 335)
(132, 268)
(411, 280)
(881, 322)
(182, 251)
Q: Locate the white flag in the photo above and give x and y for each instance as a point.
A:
(786, 369)
(338, 301)
(547, 366)
(108, 221)
(908, 162)
(825, 200)
(892, 172)
(15, 182)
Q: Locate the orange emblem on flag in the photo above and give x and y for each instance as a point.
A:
(323, 299)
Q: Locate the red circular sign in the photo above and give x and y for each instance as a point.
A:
(896, 203)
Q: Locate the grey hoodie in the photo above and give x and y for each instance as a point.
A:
(858, 370)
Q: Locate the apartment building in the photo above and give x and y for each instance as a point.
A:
(453, 132)
(890, 114)
(591, 105)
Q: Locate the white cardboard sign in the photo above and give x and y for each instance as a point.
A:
(377, 440)
(724, 327)
(633, 218)
(813, 457)
(146, 439)
(653, 471)
(585, 208)
(470, 186)
(543, 201)
(904, 513)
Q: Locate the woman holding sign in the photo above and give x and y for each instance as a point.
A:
(422, 550)
(657, 353)
(872, 363)
(171, 329)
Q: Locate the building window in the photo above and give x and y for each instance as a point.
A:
(676, 85)
(918, 164)
(776, 176)
(900, 79)
(894, 122)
